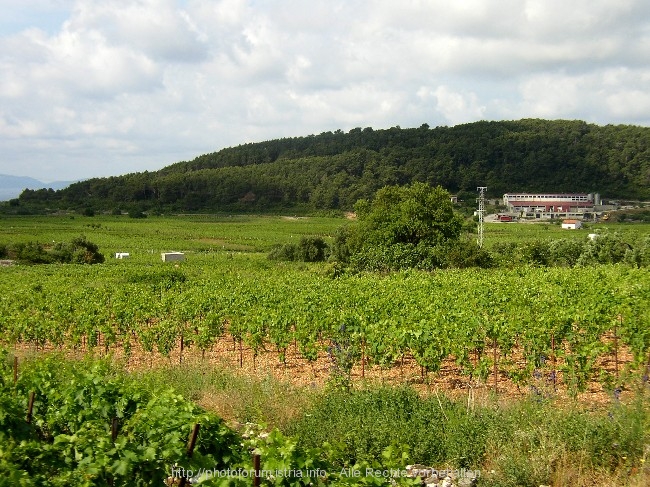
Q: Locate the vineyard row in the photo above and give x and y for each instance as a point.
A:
(546, 316)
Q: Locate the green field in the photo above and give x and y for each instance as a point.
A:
(557, 334)
(205, 233)
(191, 233)
(518, 232)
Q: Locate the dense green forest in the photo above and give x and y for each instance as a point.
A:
(335, 169)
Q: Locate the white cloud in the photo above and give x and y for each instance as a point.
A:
(616, 95)
(629, 104)
(156, 28)
(456, 107)
(552, 96)
(128, 85)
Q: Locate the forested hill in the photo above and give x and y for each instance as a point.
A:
(335, 169)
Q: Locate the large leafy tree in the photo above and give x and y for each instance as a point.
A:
(411, 214)
(405, 226)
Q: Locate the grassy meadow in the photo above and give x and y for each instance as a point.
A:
(190, 233)
(245, 233)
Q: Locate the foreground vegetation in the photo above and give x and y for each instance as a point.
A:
(93, 425)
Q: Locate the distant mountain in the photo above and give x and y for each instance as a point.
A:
(12, 186)
(333, 170)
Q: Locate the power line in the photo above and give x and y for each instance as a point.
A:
(481, 211)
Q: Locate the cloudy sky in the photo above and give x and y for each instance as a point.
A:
(93, 88)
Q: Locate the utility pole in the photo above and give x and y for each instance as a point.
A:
(481, 211)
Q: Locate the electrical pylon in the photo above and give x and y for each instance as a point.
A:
(481, 211)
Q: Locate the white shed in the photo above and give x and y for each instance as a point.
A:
(172, 256)
(122, 255)
(571, 224)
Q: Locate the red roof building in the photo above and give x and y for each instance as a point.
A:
(550, 203)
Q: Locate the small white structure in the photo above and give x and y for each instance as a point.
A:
(172, 256)
(571, 224)
(122, 255)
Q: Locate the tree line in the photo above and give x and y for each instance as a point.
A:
(333, 170)
(416, 226)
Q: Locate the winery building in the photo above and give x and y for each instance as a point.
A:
(551, 205)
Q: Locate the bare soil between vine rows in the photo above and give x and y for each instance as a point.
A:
(298, 372)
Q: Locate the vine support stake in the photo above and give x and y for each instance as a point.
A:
(15, 370)
(192, 442)
(363, 359)
(180, 356)
(190, 449)
(496, 368)
(553, 374)
(256, 468)
(620, 318)
(114, 429)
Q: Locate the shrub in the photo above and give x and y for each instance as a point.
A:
(341, 251)
(565, 252)
(605, 249)
(312, 249)
(284, 252)
(309, 249)
(536, 252)
(504, 254)
(467, 253)
(640, 256)
(78, 251)
(136, 214)
(30, 252)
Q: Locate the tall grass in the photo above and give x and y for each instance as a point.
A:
(526, 442)
(236, 397)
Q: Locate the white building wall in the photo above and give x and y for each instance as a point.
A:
(172, 256)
